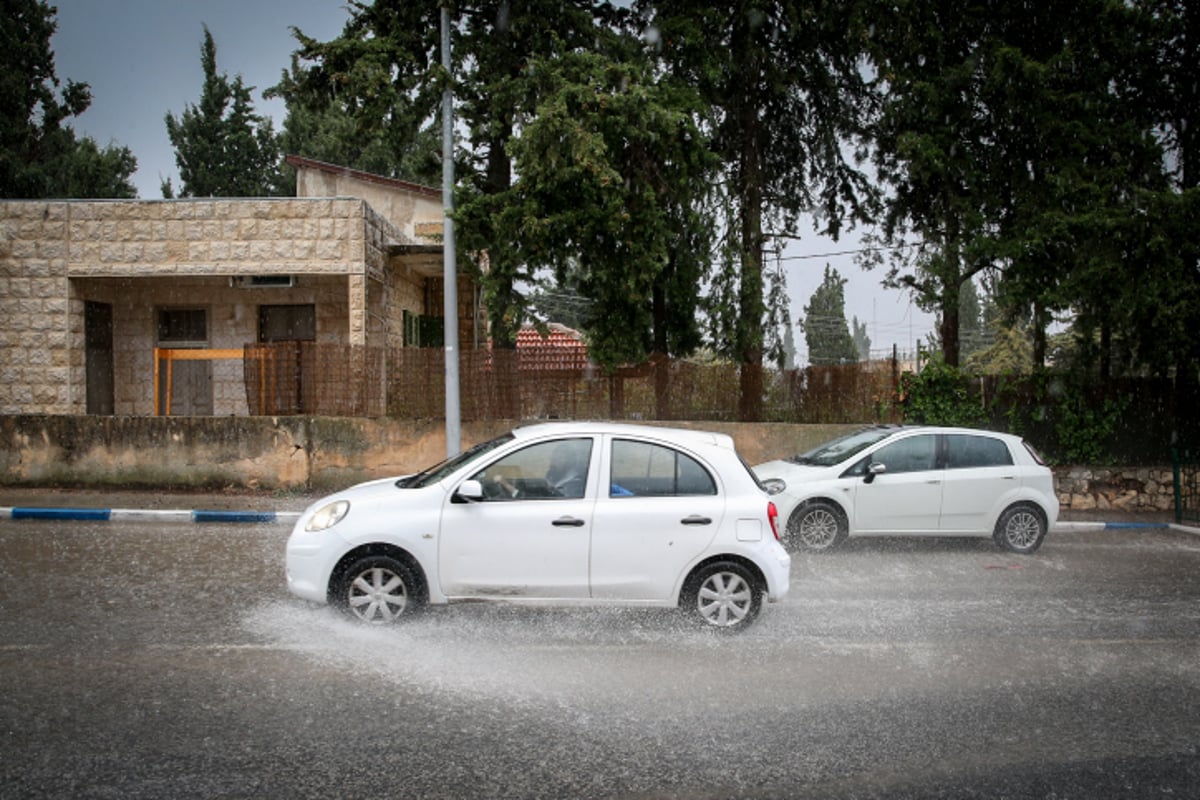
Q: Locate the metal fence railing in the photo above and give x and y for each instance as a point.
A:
(1186, 464)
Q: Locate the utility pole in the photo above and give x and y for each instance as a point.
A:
(449, 268)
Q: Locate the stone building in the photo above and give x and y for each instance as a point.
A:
(90, 289)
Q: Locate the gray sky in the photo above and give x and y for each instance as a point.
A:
(142, 60)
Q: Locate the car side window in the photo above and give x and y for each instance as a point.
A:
(641, 469)
(914, 454)
(543, 471)
(964, 451)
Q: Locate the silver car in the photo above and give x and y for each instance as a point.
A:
(901, 480)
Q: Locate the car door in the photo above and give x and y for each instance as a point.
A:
(529, 535)
(659, 508)
(907, 496)
(979, 473)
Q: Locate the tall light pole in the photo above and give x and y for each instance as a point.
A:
(449, 268)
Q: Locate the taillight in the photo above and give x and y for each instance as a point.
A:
(772, 514)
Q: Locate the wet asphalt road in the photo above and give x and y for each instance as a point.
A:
(140, 660)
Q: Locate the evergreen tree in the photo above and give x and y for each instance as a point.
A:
(326, 128)
(222, 147)
(785, 91)
(40, 156)
(858, 332)
(824, 323)
(385, 71)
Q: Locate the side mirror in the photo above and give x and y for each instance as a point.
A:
(468, 492)
(873, 469)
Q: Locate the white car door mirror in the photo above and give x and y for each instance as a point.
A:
(873, 469)
(468, 491)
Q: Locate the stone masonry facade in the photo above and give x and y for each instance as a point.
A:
(138, 256)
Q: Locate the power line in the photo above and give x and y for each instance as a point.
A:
(848, 252)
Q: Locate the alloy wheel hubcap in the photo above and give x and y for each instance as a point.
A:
(724, 599)
(378, 596)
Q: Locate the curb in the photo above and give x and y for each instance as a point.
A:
(1123, 526)
(289, 517)
(164, 515)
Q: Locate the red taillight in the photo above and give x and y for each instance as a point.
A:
(772, 513)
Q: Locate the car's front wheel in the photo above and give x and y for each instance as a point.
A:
(723, 595)
(377, 589)
(816, 527)
(1020, 529)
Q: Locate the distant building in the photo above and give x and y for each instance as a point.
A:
(90, 289)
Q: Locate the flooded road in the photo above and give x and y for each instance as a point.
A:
(152, 660)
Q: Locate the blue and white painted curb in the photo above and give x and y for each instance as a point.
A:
(151, 515)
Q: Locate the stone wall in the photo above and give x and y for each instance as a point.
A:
(274, 453)
(1124, 489)
(323, 453)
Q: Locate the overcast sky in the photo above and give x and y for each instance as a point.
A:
(142, 60)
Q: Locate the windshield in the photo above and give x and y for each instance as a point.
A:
(844, 447)
(438, 471)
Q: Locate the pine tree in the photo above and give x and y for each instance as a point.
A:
(222, 147)
(40, 155)
(825, 331)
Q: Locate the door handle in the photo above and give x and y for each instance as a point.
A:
(567, 522)
(696, 519)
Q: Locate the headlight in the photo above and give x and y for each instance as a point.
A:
(774, 485)
(327, 516)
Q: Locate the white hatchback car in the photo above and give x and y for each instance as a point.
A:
(888, 480)
(553, 513)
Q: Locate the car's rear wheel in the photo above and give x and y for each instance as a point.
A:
(378, 590)
(816, 527)
(1020, 529)
(724, 595)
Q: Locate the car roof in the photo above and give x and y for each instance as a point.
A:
(946, 429)
(691, 436)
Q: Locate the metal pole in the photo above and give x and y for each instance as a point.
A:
(449, 269)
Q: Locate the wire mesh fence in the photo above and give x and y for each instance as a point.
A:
(309, 378)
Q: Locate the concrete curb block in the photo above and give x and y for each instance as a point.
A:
(148, 515)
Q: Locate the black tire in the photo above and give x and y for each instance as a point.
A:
(378, 590)
(816, 527)
(724, 595)
(1021, 528)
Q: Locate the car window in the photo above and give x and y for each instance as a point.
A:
(914, 454)
(543, 471)
(964, 451)
(641, 469)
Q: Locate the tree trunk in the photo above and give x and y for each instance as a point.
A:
(751, 307)
(659, 360)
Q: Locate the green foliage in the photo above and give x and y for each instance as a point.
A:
(862, 342)
(940, 394)
(824, 323)
(1084, 429)
(784, 92)
(608, 169)
(40, 156)
(223, 148)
